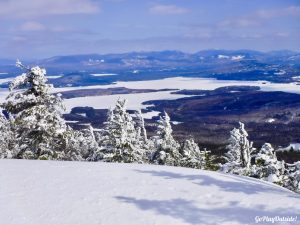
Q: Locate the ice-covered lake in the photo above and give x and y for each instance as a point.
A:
(135, 100)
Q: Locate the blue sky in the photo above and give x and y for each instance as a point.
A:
(41, 28)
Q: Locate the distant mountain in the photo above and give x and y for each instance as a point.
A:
(277, 66)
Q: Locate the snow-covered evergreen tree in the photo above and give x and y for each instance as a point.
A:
(119, 142)
(238, 157)
(140, 126)
(267, 167)
(143, 142)
(41, 133)
(166, 147)
(85, 140)
(192, 156)
(6, 138)
(293, 177)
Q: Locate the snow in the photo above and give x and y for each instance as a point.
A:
(135, 100)
(223, 57)
(151, 114)
(103, 74)
(104, 102)
(86, 193)
(54, 76)
(5, 80)
(176, 122)
(72, 121)
(270, 120)
(238, 57)
(297, 78)
(82, 114)
(295, 146)
(281, 72)
(191, 83)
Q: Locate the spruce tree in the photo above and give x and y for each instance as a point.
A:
(192, 156)
(119, 142)
(41, 132)
(293, 177)
(166, 147)
(238, 157)
(267, 167)
(6, 138)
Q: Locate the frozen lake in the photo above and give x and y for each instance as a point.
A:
(135, 100)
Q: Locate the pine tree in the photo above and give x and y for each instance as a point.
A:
(119, 142)
(166, 148)
(267, 167)
(6, 138)
(192, 156)
(238, 158)
(41, 133)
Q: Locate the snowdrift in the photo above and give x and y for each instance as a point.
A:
(85, 193)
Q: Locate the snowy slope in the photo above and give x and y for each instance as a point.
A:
(84, 193)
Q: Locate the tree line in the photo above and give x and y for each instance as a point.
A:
(32, 127)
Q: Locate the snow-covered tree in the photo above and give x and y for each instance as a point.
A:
(6, 138)
(238, 157)
(143, 142)
(41, 132)
(166, 147)
(140, 126)
(85, 140)
(119, 142)
(192, 156)
(293, 177)
(267, 167)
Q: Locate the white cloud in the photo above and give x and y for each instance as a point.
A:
(167, 9)
(288, 11)
(32, 26)
(259, 17)
(239, 22)
(38, 8)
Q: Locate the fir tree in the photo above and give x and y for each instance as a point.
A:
(140, 125)
(119, 142)
(166, 148)
(41, 133)
(293, 177)
(192, 156)
(267, 167)
(238, 157)
(6, 138)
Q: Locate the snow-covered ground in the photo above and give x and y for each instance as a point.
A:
(5, 80)
(85, 193)
(294, 146)
(54, 76)
(103, 74)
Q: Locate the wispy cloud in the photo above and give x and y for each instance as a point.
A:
(271, 13)
(32, 26)
(38, 8)
(259, 17)
(167, 9)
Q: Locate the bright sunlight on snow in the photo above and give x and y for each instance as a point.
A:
(77, 193)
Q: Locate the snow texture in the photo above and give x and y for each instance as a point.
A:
(86, 193)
